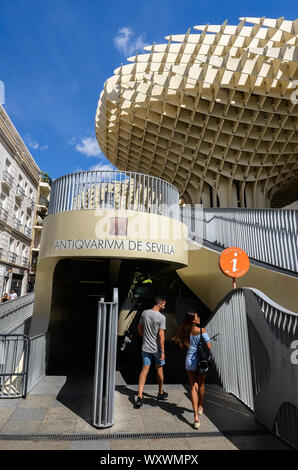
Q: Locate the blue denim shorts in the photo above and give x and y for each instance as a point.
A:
(148, 358)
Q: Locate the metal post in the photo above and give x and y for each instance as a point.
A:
(105, 363)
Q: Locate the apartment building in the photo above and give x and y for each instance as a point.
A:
(41, 211)
(19, 180)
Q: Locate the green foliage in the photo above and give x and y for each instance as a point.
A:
(45, 178)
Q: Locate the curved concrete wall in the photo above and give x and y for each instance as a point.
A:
(92, 233)
(204, 277)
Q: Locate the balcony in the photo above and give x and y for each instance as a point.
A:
(12, 257)
(7, 179)
(30, 203)
(3, 214)
(25, 261)
(43, 202)
(44, 188)
(20, 192)
(16, 223)
(27, 231)
(114, 190)
(3, 253)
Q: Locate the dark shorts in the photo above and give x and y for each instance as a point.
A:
(149, 357)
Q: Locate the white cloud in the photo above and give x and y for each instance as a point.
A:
(102, 166)
(125, 42)
(32, 143)
(88, 146)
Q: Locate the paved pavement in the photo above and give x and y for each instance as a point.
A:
(54, 408)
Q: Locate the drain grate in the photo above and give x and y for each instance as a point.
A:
(112, 436)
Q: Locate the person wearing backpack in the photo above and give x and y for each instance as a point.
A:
(191, 336)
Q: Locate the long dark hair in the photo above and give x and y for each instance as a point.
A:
(182, 338)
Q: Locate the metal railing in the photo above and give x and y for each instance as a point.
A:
(12, 257)
(43, 201)
(230, 351)
(14, 353)
(30, 203)
(3, 214)
(267, 235)
(114, 190)
(37, 360)
(20, 192)
(7, 178)
(25, 261)
(256, 360)
(27, 231)
(3, 253)
(105, 363)
(15, 312)
(16, 223)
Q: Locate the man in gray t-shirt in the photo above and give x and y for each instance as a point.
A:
(152, 327)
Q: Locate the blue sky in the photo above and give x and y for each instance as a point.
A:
(55, 56)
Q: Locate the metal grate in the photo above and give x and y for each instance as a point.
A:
(129, 436)
(114, 436)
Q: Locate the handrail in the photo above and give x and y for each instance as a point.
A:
(271, 302)
(15, 311)
(253, 355)
(14, 359)
(267, 235)
(114, 190)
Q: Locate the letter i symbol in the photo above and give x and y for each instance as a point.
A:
(234, 261)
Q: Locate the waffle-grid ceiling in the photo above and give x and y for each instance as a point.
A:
(212, 112)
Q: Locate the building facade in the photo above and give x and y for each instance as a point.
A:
(19, 177)
(41, 211)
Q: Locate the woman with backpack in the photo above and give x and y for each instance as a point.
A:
(189, 336)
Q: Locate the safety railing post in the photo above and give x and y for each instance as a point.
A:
(105, 363)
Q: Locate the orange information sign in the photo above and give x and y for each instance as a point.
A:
(234, 262)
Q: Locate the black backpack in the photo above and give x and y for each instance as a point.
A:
(204, 355)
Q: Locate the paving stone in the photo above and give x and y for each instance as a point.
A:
(57, 427)
(49, 385)
(127, 444)
(20, 427)
(9, 402)
(210, 443)
(90, 445)
(83, 427)
(168, 444)
(35, 401)
(5, 413)
(34, 445)
(57, 412)
(71, 413)
(28, 414)
(129, 425)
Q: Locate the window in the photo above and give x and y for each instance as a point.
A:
(16, 211)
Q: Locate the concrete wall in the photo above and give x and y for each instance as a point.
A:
(204, 277)
(78, 234)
